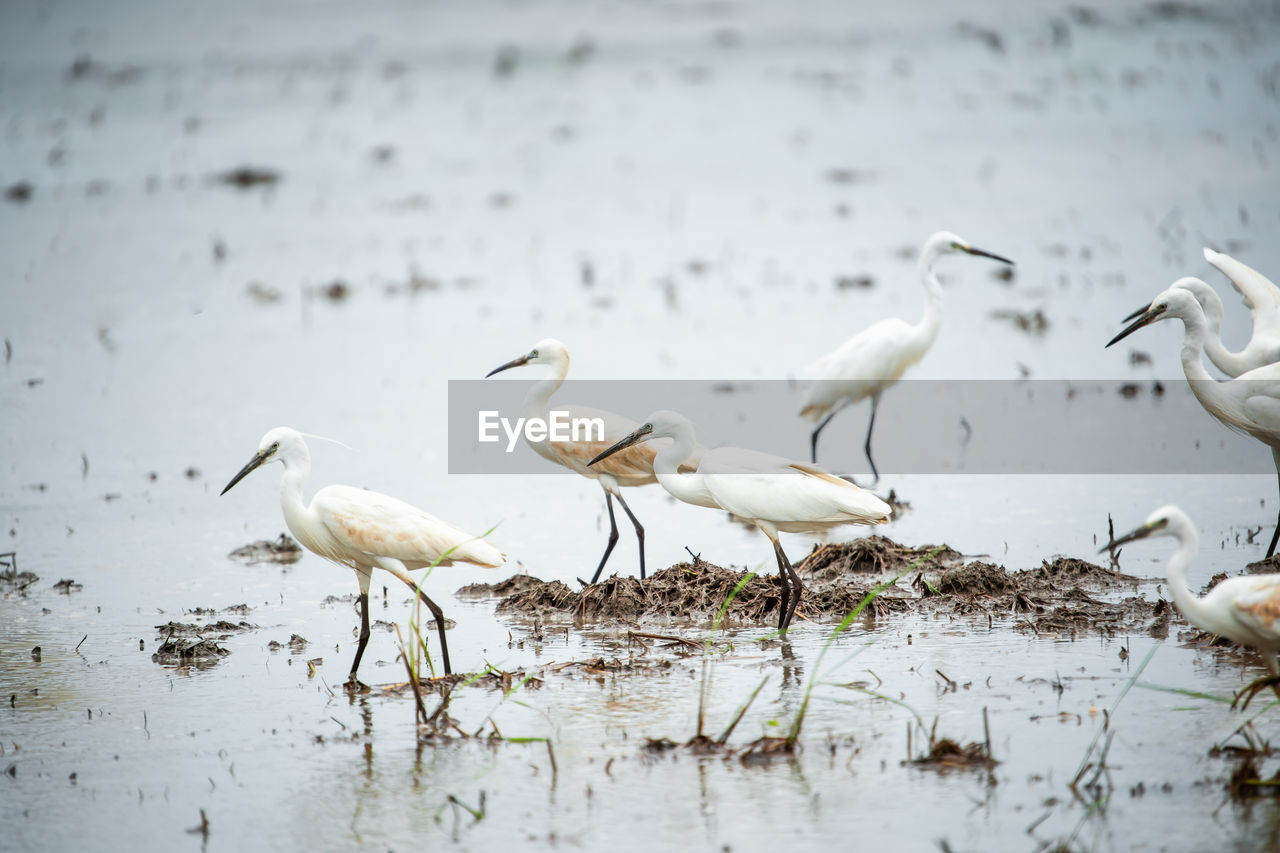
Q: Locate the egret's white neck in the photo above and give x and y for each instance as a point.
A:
(292, 482)
(927, 328)
(666, 465)
(1188, 602)
(539, 396)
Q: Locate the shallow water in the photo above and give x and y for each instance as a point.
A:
(676, 196)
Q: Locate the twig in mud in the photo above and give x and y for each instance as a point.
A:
(680, 641)
(697, 558)
(81, 643)
(555, 771)
(951, 685)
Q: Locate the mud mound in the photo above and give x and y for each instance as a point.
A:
(542, 597)
(870, 555)
(1264, 567)
(1068, 571)
(281, 550)
(975, 579)
(510, 586)
(692, 590)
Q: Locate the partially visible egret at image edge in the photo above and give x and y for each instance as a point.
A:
(876, 357)
(1250, 403)
(365, 530)
(771, 492)
(1245, 610)
(633, 468)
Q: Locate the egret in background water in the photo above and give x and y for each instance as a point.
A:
(773, 493)
(1250, 403)
(1260, 296)
(876, 357)
(364, 530)
(633, 468)
(1245, 610)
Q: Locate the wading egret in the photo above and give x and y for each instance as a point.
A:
(1245, 610)
(876, 357)
(634, 468)
(364, 530)
(773, 493)
(1260, 296)
(1250, 403)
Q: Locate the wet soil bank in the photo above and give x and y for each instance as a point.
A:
(1063, 595)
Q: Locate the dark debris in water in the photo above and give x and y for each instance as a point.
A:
(296, 643)
(178, 651)
(12, 580)
(510, 586)
(249, 177)
(68, 586)
(222, 628)
(283, 550)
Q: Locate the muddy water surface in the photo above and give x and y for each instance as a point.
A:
(217, 219)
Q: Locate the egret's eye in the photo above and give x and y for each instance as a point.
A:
(275, 445)
(533, 354)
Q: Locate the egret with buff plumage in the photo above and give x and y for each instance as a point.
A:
(365, 530)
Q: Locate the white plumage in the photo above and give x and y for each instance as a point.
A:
(773, 493)
(365, 530)
(875, 358)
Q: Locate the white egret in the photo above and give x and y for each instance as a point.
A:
(773, 493)
(876, 357)
(364, 530)
(1260, 296)
(1245, 610)
(634, 468)
(1250, 403)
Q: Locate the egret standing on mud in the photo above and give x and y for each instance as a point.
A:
(634, 468)
(364, 530)
(1261, 297)
(1250, 403)
(876, 357)
(1245, 610)
(773, 493)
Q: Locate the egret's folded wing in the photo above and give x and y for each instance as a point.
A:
(374, 524)
(1257, 606)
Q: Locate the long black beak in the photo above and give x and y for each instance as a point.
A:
(635, 437)
(258, 458)
(1147, 317)
(1141, 533)
(515, 362)
(1136, 313)
(983, 253)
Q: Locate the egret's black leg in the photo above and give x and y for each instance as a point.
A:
(439, 617)
(613, 536)
(1271, 549)
(353, 683)
(639, 532)
(813, 439)
(875, 402)
(790, 582)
